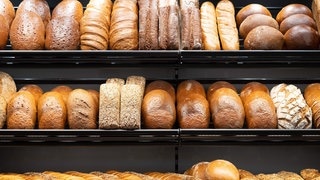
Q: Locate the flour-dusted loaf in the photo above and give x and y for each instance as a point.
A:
(293, 111)
(188, 87)
(7, 85)
(68, 8)
(21, 111)
(109, 103)
(52, 111)
(81, 112)
(311, 95)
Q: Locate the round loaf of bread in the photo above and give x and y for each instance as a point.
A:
(7, 10)
(7, 86)
(158, 110)
(198, 170)
(52, 111)
(264, 38)
(193, 112)
(189, 87)
(297, 19)
(68, 8)
(41, 7)
(301, 37)
(64, 90)
(291, 9)
(217, 85)
(248, 88)
(34, 89)
(250, 9)
(81, 112)
(63, 33)
(161, 84)
(21, 111)
(226, 109)
(256, 20)
(3, 111)
(222, 169)
(4, 32)
(27, 32)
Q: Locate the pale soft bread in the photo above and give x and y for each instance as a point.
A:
(209, 29)
(34, 89)
(227, 27)
(3, 111)
(7, 85)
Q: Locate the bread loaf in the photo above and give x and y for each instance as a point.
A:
(64, 90)
(169, 175)
(7, 86)
(222, 169)
(250, 9)
(217, 85)
(84, 175)
(311, 95)
(3, 111)
(209, 29)
(190, 25)
(95, 25)
(148, 24)
(27, 32)
(68, 8)
(4, 32)
(188, 87)
(105, 176)
(161, 84)
(81, 112)
(227, 27)
(248, 88)
(124, 33)
(7, 10)
(264, 38)
(315, 7)
(158, 110)
(34, 89)
(169, 24)
(52, 111)
(301, 37)
(59, 175)
(291, 9)
(198, 170)
(297, 19)
(292, 109)
(21, 111)
(310, 173)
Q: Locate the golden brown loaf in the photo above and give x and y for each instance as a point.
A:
(21, 111)
(4, 32)
(264, 38)
(291, 9)
(190, 25)
(3, 111)
(62, 33)
(209, 29)
(7, 10)
(316, 12)
(250, 9)
(297, 19)
(34, 89)
(86, 176)
(198, 170)
(148, 24)
(256, 20)
(41, 7)
(217, 85)
(246, 175)
(311, 95)
(169, 24)
(226, 109)
(7, 85)
(310, 173)
(188, 87)
(95, 25)
(248, 88)
(52, 111)
(27, 32)
(124, 33)
(227, 27)
(59, 175)
(68, 8)
(158, 110)
(64, 90)
(293, 111)
(161, 84)
(222, 169)
(81, 112)
(301, 37)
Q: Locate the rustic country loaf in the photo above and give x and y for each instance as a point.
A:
(34, 89)
(311, 95)
(7, 86)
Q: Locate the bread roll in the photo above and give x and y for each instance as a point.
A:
(21, 111)
(158, 110)
(256, 20)
(226, 109)
(227, 26)
(193, 112)
(198, 170)
(7, 86)
(52, 111)
(222, 169)
(297, 19)
(64, 90)
(81, 112)
(27, 32)
(7, 10)
(293, 111)
(62, 33)
(190, 25)
(209, 29)
(124, 33)
(169, 24)
(291, 9)
(4, 32)
(311, 95)
(34, 89)
(41, 7)
(161, 84)
(148, 24)
(188, 87)
(3, 111)
(217, 85)
(264, 38)
(301, 37)
(250, 9)
(68, 8)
